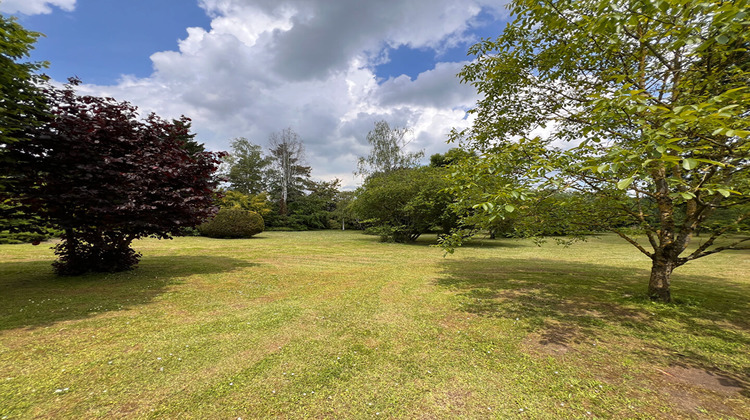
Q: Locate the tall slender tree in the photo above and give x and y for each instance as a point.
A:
(288, 169)
(388, 151)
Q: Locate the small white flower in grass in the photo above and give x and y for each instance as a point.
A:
(520, 410)
(273, 392)
(158, 358)
(231, 383)
(161, 369)
(562, 405)
(304, 393)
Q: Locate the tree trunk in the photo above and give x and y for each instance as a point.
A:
(661, 271)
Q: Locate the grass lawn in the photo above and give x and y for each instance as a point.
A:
(337, 325)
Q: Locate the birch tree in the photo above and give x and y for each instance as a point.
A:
(289, 171)
(388, 151)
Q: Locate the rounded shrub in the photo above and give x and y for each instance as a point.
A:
(232, 223)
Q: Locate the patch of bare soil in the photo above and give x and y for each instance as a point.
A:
(700, 393)
(704, 379)
(554, 342)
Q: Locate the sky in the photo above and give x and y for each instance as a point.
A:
(328, 69)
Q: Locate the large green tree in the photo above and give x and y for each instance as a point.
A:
(247, 167)
(403, 204)
(23, 107)
(646, 105)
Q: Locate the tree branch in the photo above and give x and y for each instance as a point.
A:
(632, 242)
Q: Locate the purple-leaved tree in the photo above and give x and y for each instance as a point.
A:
(106, 177)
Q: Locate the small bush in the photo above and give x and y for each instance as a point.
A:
(233, 223)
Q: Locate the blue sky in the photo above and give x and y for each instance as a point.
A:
(246, 68)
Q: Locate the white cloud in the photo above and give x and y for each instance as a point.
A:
(35, 7)
(437, 88)
(265, 65)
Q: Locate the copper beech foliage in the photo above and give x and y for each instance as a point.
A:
(106, 177)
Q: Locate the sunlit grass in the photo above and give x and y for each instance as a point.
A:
(338, 325)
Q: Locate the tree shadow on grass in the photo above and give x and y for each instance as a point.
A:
(32, 296)
(567, 303)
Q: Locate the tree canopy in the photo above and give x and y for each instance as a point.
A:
(403, 204)
(646, 106)
(23, 107)
(248, 168)
(105, 178)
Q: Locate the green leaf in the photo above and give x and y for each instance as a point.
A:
(723, 192)
(624, 183)
(509, 208)
(722, 39)
(687, 195)
(689, 163)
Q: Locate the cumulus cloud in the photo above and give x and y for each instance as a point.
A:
(35, 7)
(265, 65)
(436, 88)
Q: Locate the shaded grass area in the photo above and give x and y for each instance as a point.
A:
(337, 325)
(37, 299)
